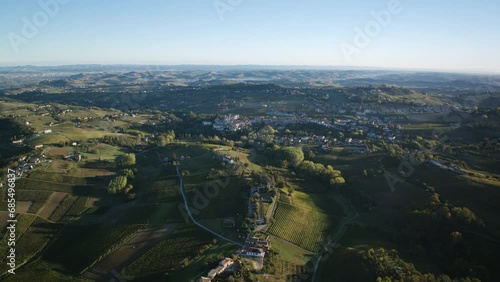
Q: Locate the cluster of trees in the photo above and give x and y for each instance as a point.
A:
(166, 138)
(126, 160)
(320, 171)
(288, 156)
(120, 183)
(389, 267)
(119, 141)
(456, 237)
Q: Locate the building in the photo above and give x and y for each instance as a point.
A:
(258, 243)
(227, 262)
(253, 252)
(229, 223)
(223, 266)
(204, 279)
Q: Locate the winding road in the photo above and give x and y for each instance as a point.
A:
(194, 220)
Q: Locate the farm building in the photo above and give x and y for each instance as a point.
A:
(229, 223)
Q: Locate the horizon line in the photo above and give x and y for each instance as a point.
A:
(298, 67)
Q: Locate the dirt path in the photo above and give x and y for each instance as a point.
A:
(123, 256)
(51, 205)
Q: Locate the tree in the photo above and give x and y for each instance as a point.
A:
(125, 160)
(117, 184)
(291, 155)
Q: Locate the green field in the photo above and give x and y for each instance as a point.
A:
(304, 227)
(165, 213)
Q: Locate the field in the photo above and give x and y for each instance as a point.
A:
(165, 213)
(78, 207)
(301, 226)
(38, 198)
(64, 206)
(51, 205)
(176, 251)
(32, 235)
(80, 246)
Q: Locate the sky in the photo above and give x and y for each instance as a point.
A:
(458, 35)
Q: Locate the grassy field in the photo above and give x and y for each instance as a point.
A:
(289, 252)
(43, 185)
(138, 214)
(165, 213)
(227, 201)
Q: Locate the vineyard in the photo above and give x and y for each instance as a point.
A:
(38, 198)
(57, 177)
(77, 247)
(79, 207)
(65, 205)
(174, 252)
(34, 239)
(301, 226)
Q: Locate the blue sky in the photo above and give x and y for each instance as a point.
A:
(461, 35)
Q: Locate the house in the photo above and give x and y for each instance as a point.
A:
(227, 262)
(204, 279)
(253, 252)
(17, 142)
(258, 243)
(47, 131)
(74, 143)
(223, 265)
(38, 146)
(212, 273)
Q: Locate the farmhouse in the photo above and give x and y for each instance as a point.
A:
(258, 243)
(223, 266)
(253, 252)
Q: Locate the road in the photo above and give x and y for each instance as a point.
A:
(194, 220)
